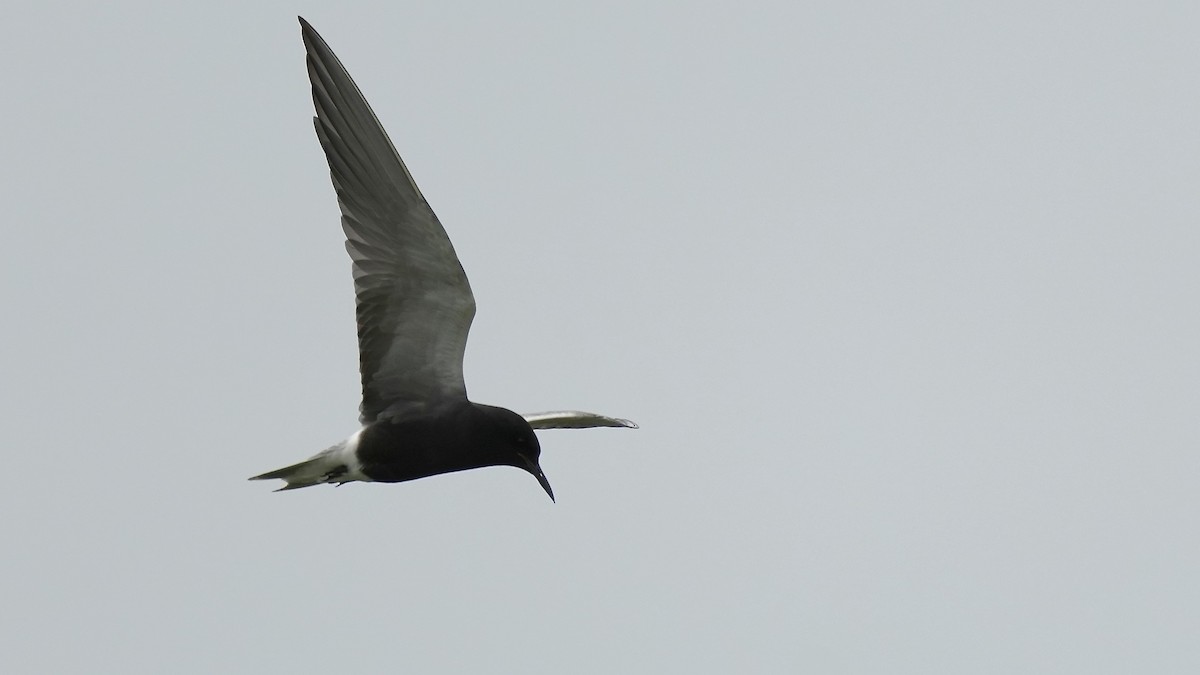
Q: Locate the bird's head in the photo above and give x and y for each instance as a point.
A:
(517, 445)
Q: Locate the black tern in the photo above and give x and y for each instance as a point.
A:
(414, 309)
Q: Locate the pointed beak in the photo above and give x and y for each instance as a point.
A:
(534, 468)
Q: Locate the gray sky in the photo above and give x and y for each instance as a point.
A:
(904, 296)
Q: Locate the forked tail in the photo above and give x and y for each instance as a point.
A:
(329, 466)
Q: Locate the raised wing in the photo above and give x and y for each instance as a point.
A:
(414, 302)
(574, 419)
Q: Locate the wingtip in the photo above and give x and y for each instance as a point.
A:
(307, 32)
(619, 422)
(622, 422)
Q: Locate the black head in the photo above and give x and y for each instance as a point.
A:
(513, 440)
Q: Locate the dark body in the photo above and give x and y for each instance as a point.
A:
(414, 310)
(456, 437)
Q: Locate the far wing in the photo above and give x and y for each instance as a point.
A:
(574, 419)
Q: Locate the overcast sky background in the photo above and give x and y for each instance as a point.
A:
(904, 296)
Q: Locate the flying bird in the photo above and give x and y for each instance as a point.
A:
(414, 310)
